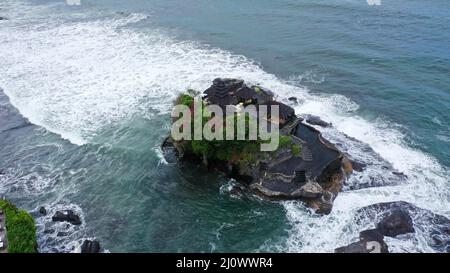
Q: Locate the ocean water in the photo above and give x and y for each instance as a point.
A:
(87, 90)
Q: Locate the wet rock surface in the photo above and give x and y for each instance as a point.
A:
(398, 222)
(370, 241)
(66, 216)
(315, 120)
(398, 219)
(42, 211)
(89, 246)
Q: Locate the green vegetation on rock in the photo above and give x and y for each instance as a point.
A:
(21, 229)
(296, 149)
(233, 151)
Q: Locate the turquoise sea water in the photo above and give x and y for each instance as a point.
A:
(96, 81)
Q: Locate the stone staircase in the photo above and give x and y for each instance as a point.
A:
(300, 177)
(306, 153)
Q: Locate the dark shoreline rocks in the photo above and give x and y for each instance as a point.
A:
(315, 120)
(393, 219)
(89, 246)
(42, 211)
(293, 99)
(370, 241)
(398, 222)
(66, 216)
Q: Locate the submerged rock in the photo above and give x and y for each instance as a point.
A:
(62, 233)
(89, 246)
(48, 231)
(42, 211)
(3, 18)
(400, 174)
(293, 99)
(66, 216)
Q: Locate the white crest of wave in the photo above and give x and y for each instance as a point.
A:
(76, 78)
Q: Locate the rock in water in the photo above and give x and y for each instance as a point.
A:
(434, 228)
(370, 241)
(371, 235)
(399, 222)
(66, 216)
(293, 99)
(315, 120)
(42, 211)
(89, 246)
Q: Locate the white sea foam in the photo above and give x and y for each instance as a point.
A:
(76, 78)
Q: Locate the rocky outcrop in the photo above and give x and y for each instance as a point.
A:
(370, 241)
(398, 222)
(66, 216)
(312, 174)
(42, 211)
(89, 246)
(309, 190)
(315, 120)
(400, 218)
(308, 168)
(293, 99)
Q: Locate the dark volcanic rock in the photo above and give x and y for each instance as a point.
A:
(293, 99)
(399, 222)
(42, 211)
(356, 247)
(370, 241)
(361, 247)
(89, 246)
(371, 235)
(66, 216)
(315, 120)
(396, 216)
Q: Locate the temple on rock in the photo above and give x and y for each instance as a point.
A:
(225, 92)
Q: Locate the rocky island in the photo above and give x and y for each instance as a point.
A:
(305, 166)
